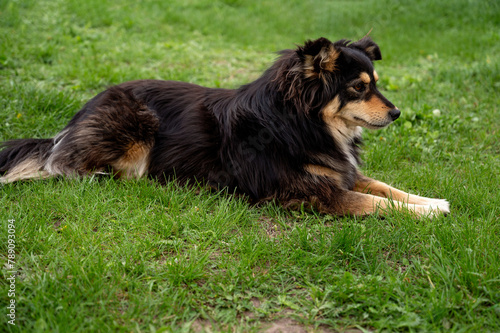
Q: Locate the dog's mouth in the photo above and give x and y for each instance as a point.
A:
(370, 125)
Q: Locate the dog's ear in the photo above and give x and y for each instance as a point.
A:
(318, 56)
(368, 47)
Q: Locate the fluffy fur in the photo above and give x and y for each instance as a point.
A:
(293, 135)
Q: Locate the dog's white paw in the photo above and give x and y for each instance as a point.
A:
(440, 204)
(438, 207)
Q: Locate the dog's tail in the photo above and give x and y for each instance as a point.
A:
(24, 159)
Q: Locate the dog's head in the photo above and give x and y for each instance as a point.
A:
(338, 81)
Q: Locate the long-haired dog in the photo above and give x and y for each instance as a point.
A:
(293, 135)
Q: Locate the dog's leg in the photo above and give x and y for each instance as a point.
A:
(117, 132)
(360, 204)
(377, 188)
(325, 193)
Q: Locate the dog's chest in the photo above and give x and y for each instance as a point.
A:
(340, 161)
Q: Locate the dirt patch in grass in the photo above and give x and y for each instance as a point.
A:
(201, 325)
(272, 228)
(288, 325)
(285, 325)
(282, 325)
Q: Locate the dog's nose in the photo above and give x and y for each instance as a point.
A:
(394, 113)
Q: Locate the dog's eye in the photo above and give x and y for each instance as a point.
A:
(359, 87)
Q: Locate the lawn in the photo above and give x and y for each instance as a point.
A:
(132, 256)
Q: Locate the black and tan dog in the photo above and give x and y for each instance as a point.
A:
(292, 135)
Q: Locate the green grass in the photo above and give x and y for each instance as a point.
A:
(131, 256)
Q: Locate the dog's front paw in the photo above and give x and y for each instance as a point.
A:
(438, 205)
(436, 208)
(441, 205)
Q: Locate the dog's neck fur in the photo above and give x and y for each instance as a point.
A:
(344, 133)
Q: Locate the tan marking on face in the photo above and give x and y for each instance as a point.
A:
(365, 77)
(374, 106)
(373, 113)
(375, 76)
(134, 163)
(338, 128)
(319, 170)
(343, 132)
(331, 109)
(332, 115)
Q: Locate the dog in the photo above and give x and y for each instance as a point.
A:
(292, 136)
